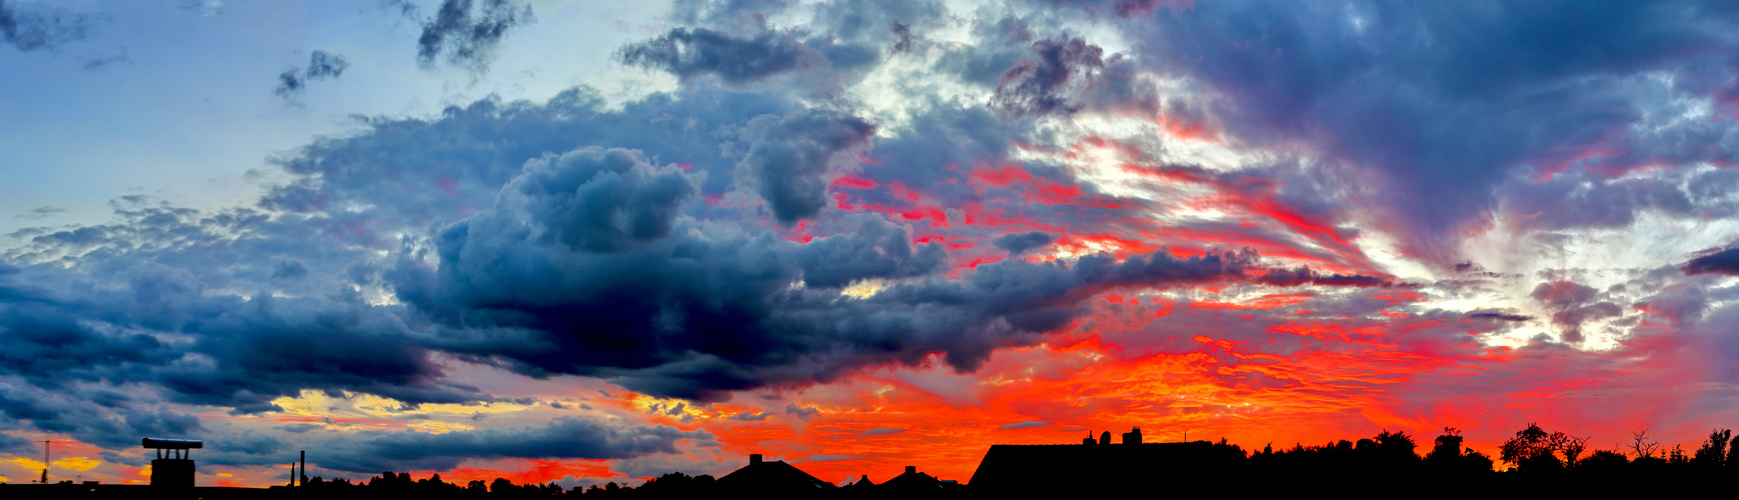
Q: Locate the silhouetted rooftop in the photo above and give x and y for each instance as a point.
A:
(912, 480)
(863, 482)
(770, 476)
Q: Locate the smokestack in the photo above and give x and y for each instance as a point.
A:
(755, 459)
(302, 478)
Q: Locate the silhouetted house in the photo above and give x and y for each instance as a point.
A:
(912, 480)
(862, 482)
(775, 476)
(1019, 470)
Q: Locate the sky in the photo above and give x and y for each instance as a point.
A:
(582, 242)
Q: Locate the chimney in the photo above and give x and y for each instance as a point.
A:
(755, 459)
(304, 477)
(911, 469)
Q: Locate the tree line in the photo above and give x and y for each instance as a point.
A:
(1534, 461)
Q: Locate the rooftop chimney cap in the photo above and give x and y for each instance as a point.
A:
(172, 444)
(754, 458)
(911, 469)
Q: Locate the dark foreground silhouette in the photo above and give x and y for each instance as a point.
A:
(1536, 463)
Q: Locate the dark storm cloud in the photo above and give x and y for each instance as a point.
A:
(563, 438)
(50, 348)
(272, 347)
(1018, 243)
(1051, 83)
(50, 341)
(698, 309)
(468, 32)
(1303, 275)
(1722, 262)
(1445, 98)
(601, 201)
(874, 249)
(690, 53)
(245, 448)
(11, 444)
(149, 275)
(28, 30)
(791, 160)
(99, 417)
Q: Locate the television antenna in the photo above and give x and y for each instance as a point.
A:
(45, 445)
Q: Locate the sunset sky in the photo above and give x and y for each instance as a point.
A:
(581, 242)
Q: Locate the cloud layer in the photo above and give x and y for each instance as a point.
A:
(865, 234)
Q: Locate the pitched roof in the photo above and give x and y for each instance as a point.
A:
(775, 475)
(913, 481)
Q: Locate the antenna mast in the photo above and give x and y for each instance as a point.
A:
(45, 445)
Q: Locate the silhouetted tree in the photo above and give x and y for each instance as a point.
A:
(1733, 455)
(1571, 447)
(1678, 456)
(1642, 446)
(1476, 462)
(1604, 464)
(1446, 446)
(1446, 455)
(1712, 456)
(676, 484)
(1397, 446)
(1533, 449)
